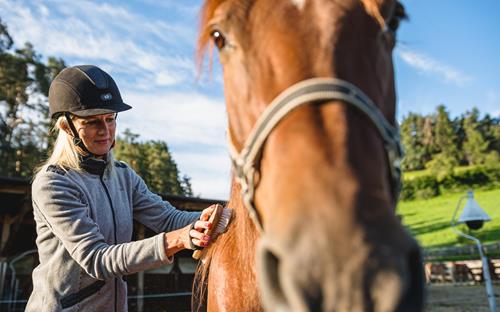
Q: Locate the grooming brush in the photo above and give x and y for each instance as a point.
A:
(220, 219)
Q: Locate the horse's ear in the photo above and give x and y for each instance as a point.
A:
(398, 15)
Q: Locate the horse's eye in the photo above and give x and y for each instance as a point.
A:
(219, 39)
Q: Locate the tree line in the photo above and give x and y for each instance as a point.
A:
(434, 141)
(25, 126)
(440, 143)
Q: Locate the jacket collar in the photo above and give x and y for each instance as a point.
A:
(93, 165)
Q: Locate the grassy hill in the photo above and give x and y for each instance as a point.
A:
(429, 220)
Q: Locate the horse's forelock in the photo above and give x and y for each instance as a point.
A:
(372, 7)
(206, 14)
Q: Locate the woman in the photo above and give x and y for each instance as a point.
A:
(84, 204)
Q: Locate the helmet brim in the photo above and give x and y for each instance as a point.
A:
(118, 107)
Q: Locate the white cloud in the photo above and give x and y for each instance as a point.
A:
(44, 10)
(91, 32)
(193, 125)
(164, 78)
(428, 65)
(152, 62)
(210, 172)
(178, 118)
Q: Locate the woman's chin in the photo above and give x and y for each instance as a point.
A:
(100, 151)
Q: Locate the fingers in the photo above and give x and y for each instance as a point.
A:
(202, 225)
(196, 233)
(195, 236)
(199, 238)
(207, 212)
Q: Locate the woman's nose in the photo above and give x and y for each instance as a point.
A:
(103, 127)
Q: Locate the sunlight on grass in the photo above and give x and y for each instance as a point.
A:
(429, 220)
(409, 175)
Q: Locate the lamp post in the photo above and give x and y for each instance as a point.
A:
(474, 217)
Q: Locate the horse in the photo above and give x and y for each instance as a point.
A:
(310, 97)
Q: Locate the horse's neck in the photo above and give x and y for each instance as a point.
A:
(232, 284)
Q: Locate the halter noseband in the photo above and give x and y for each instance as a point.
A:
(307, 92)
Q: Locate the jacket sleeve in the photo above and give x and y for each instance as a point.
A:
(59, 203)
(155, 213)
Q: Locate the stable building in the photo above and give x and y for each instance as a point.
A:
(168, 287)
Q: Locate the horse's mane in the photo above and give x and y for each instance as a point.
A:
(238, 242)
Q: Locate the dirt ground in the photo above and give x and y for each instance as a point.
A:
(450, 298)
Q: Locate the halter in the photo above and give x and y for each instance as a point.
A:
(308, 92)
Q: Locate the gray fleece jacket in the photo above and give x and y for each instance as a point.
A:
(84, 225)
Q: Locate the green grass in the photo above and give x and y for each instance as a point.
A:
(429, 220)
(415, 174)
(418, 173)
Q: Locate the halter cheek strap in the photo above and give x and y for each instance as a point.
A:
(245, 162)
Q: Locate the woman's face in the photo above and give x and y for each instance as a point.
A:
(97, 132)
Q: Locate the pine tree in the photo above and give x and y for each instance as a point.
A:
(153, 162)
(446, 140)
(412, 136)
(24, 139)
(475, 145)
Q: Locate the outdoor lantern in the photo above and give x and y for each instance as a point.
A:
(473, 215)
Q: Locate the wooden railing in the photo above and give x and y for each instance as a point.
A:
(468, 252)
(461, 264)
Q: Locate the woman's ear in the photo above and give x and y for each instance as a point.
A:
(65, 127)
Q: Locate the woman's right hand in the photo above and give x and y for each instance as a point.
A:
(191, 236)
(195, 237)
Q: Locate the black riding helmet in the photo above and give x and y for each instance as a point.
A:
(84, 90)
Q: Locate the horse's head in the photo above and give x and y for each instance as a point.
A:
(319, 167)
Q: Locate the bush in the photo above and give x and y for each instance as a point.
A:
(430, 185)
(441, 165)
(471, 178)
(420, 187)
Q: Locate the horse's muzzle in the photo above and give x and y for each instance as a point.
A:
(375, 280)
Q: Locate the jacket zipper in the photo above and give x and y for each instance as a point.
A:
(114, 232)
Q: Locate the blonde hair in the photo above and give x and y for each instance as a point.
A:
(64, 153)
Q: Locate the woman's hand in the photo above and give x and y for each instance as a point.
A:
(191, 236)
(196, 235)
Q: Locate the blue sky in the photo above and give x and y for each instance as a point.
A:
(447, 53)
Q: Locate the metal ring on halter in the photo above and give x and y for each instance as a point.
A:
(191, 244)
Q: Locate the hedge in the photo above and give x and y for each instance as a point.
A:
(429, 185)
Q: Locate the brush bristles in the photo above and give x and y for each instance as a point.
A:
(224, 220)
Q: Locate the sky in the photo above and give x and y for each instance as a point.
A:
(447, 53)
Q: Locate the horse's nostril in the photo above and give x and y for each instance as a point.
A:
(285, 284)
(270, 278)
(413, 298)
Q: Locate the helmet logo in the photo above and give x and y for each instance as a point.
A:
(106, 96)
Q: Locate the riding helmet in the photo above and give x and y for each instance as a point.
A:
(84, 90)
